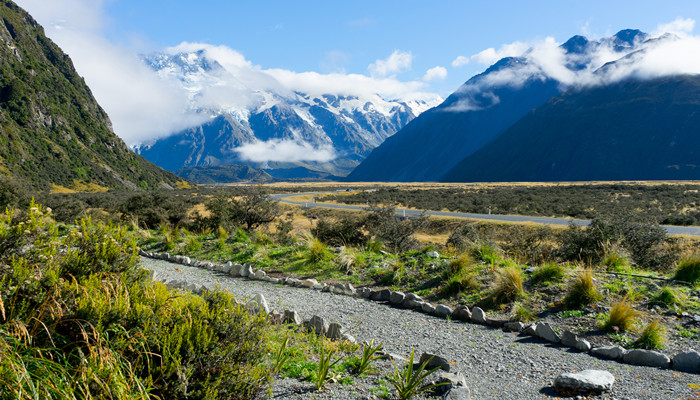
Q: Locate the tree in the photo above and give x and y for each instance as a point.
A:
(251, 210)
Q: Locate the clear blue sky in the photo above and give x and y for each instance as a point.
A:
(329, 36)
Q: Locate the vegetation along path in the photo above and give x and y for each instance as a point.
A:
(671, 229)
(496, 364)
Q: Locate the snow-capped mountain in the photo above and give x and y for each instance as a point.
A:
(262, 119)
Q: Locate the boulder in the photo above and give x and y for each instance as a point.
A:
(610, 352)
(569, 339)
(434, 361)
(349, 290)
(458, 393)
(348, 337)
(427, 308)
(338, 288)
(412, 301)
(478, 315)
(309, 283)
(235, 270)
(647, 358)
(396, 298)
(462, 313)
(381, 295)
(514, 326)
(455, 386)
(583, 345)
(226, 269)
(432, 254)
(317, 325)
(292, 317)
(319, 286)
(257, 305)
(259, 275)
(275, 281)
(246, 270)
(442, 310)
(687, 361)
(530, 330)
(589, 380)
(544, 330)
(334, 331)
(366, 292)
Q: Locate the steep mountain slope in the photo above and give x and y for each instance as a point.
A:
(52, 131)
(257, 121)
(632, 130)
(224, 174)
(484, 107)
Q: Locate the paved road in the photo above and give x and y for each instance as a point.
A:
(672, 230)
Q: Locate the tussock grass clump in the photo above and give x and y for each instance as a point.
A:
(522, 314)
(621, 316)
(550, 272)
(459, 276)
(689, 270)
(614, 262)
(508, 285)
(667, 297)
(582, 290)
(317, 251)
(653, 337)
(485, 252)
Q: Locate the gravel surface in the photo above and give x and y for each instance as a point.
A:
(496, 364)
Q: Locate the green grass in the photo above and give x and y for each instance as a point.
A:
(508, 285)
(653, 337)
(547, 273)
(688, 270)
(621, 316)
(582, 290)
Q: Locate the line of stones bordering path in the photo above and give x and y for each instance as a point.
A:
(688, 361)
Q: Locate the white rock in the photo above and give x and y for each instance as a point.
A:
(589, 380)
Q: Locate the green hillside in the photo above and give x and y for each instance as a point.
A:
(53, 134)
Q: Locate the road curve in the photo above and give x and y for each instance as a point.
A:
(672, 230)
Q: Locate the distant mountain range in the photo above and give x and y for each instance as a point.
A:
(586, 114)
(53, 134)
(256, 121)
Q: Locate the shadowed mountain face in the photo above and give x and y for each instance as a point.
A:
(524, 119)
(271, 127)
(632, 130)
(52, 131)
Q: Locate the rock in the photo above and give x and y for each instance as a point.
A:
(326, 288)
(235, 270)
(246, 270)
(349, 290)
(334, 331)
(381, 295)
(427, 308)
(442, 310)
(610, 352)
(458, 393)
(338, 288)
(586, 381)
(497, 322)
(478, 315)
(291, 317)
(530, 330)
(412, 301)
(309, 283)
(687, 361)
(348, 337)
(257, 305)
(186, 261)
(319, 286)
(366, 292)
(647, 358)
(451, 382)
(276, 317)
(227, 267)
(317, 325)
(275, 281)
(583, 345)
(396, 298)
(514, 326)
(432, 254)
(545, 331)
(259, 275)
(294, 282)
(434, 361)
(462, 313)
(569, 339)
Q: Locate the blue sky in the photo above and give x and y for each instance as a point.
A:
(402, 46)
(333, 36)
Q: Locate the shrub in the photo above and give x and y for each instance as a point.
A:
(549, 272)
(582, 290)
(251, 210)
(653, 337)
(463, 237)
(589, 244)
(486, 252)
(345, 232)
(645, 242)
(508, 285)
(666, 297)
(522, 314)
(317, 251)
(531, 245)
(620, 317)
(614, 262)
(688, 270)
(459, 276)
(394, 232)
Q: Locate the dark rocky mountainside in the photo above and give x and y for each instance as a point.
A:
(224, 174)
(632, 130)
(52, 131)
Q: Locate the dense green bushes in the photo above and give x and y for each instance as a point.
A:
(80, 319)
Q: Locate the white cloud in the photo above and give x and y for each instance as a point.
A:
(398, 61)
(491, 55)
(140, 105)
(276, 150)
(460, 61)
(680, 27)
(435, 73)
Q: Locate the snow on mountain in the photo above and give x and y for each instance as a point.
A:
(254, 112)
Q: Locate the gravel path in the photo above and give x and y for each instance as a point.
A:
(496, 364)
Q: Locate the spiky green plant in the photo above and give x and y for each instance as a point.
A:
(410, 381)
(324, 373)
(621, 316)
(653, 337)
(369, 351)
(667, 297)
(550, 272)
